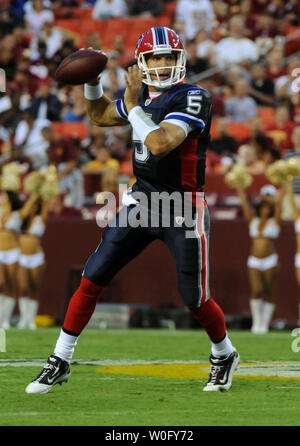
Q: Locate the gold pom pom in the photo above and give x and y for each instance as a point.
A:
(293, 167)
(238, 176)
(32, 182)
(277, 172)
(49, 187)
(10, 179)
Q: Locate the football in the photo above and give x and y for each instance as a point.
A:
(80, 67)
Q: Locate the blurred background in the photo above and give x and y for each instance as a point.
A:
(245, 52)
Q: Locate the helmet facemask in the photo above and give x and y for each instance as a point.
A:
(177, 71)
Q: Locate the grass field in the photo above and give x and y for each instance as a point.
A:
(141, 377)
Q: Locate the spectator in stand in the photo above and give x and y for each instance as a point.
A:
(261, 88)
(205, 47)
(223, 144)
(284, 85)
(275, 64)
(280, 9)
(106, 9)
(113, 77)
(236, 49)
(10, 16)
(193, 15)
(29, 141)
(26, 84)
(37, 17)
(96, 138)
(241, 107)
(146, 8)
(67, 49)
(58, 208)
(125, 56)
(265, 26)
(245, 11)
(52, 38)
(293, 152)
(102, 161)
(247, 156)
(218, 104)
(21, 41)
(9, 113)
(194, 64)
(45, 104)
(281, 130)
(76, 109)
(63, 154)
(7, 61)
(93, 40)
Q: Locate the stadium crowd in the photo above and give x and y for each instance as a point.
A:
(243, 51)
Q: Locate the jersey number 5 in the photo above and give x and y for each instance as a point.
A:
(194, 104)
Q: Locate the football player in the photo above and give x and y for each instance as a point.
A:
(170, 123)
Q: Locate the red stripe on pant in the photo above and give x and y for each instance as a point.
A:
(82, 306)
(200, 206)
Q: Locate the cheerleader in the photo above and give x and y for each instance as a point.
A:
(31, 263)
(12, 214)
(264, 229)
(296, 217)
(32, 257)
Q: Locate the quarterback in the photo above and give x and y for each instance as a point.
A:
(170, 122)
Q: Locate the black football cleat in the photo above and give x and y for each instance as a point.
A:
(55, 371)
(221, 372)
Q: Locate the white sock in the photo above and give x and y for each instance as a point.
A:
(65, 345)
(256, 306)
(32, 308)
(267, 313)
(223, 348)
(23, 311)
(8, 305)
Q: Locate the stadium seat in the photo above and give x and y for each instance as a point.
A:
(239, 131)
(137, 27)
(292, 46)
(68, 24)
(267, 115)
(73, 129)
(114, 27)
(164, 20)
(91, 25)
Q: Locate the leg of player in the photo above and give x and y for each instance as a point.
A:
(191, 256)
(119, 246)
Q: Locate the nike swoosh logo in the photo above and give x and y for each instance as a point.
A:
(50, 380)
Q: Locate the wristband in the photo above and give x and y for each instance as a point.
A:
(93, 92)
(141, 123)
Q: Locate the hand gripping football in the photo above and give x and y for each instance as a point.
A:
(81, 67)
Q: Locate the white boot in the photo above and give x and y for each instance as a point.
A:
(23, 307)
(267, 314)
(256, 312)
(32, 308)
(8, 305)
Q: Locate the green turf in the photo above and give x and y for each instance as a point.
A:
(104, 399)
